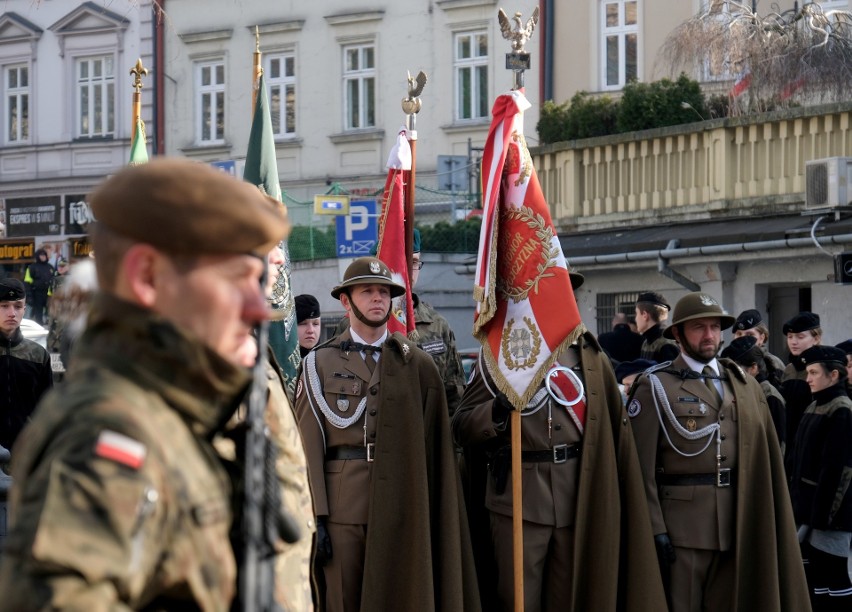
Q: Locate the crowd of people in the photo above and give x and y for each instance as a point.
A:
(659, 471)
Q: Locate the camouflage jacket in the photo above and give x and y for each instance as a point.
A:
(119, 499)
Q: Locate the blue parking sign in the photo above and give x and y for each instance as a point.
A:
(357, 232)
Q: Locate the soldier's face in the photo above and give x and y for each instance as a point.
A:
(761, 339)
(798, 342)
(11, 314)
(701, 338)
(820, 378)
(373, 301)
(848, 367)
(218, 298)
(309, 332)
(414, 269)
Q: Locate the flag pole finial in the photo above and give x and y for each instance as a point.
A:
(411, 104)
(138, 71)
(518, 60)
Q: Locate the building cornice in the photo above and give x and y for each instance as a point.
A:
(355, 17)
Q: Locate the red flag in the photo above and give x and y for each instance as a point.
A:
(791, 87)
(526, 312)
(391, 249)
(741, 84)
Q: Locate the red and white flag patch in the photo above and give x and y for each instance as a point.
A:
(121, 449)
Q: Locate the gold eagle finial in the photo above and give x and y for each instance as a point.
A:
(520, 34)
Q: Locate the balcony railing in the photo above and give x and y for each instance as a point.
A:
(742, 166)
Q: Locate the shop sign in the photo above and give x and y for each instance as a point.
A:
(33, 216)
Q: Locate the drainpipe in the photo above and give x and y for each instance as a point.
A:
(664, 269)
(546, 75)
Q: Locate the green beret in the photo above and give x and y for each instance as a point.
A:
(187, 207)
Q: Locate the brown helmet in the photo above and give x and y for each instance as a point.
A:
(368, 271)
(697, 305)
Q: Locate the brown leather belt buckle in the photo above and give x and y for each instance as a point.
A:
(371, 452)
(723, 477)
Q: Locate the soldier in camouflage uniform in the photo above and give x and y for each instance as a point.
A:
(119, 499)
(434, 336)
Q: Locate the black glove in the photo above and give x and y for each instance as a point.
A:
(500, 408)
(323, 553)
(665, 556)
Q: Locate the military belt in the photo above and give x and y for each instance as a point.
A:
(725, 478)
(335, 453)
(558, 454)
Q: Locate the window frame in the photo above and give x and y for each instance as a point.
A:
(18, 93)
(285, 82)
(107, 96)
(622, 31)
(474, 66)
(214, 89)
(607, 304)
(362, 77)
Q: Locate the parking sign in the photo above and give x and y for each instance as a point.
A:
(357, 232)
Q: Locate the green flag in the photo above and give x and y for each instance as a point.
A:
(262, 170)
(138, 148)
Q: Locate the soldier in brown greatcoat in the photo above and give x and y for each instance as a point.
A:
(119, 499)
(714, 477)
(391, 527)
(587, 538)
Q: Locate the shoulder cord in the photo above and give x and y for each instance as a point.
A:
(317, 392)
(661, 402)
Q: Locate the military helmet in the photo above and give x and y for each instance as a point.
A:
(367, 271)
(697, 305)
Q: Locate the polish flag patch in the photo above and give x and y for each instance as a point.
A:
(121, 449)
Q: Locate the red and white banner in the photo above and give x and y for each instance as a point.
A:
(526, 312)
(391, 249)
(742, 83)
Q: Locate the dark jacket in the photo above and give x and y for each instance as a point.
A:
(657, 347)
(797, 397)
(40, 274)
(26, 374)
(621, 344)
(822, 462)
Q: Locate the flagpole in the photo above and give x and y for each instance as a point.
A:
(257, 69)
(411, 106)
(138, 71)
(517, 61)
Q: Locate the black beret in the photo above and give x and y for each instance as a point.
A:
(182, 206)
(824, 354)
(800, 323)
(845, 346)
(11, 290)
(654, 298)
(626, 368)
(307, 307)
(747, 320)
(743, 350)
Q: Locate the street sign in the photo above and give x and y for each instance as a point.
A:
(357, 232)
(331, 205)
(228, 166)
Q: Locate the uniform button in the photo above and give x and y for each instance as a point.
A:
(557, 427)
(723, 458)
(372, 435)
(690, 411)
(724, 437)
(310, 523)
(373, 391)
(373, 412)
(721, 417)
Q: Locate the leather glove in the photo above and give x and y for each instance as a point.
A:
(665, 556)
(323, 552)
(500, 408)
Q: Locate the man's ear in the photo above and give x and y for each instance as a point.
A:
(344, 300)
(138, 280)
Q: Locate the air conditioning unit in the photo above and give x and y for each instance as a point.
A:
(828, 182)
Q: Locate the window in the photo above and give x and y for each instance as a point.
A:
(95, 96)
(608, 304)
(471, 68)
(16, 81)
(620, 39)
(210, 104)
(359, 86)
(281, 84)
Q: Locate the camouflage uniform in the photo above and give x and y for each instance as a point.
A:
(120, 499)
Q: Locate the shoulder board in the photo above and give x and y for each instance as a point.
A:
(658, 367)
(734, 367)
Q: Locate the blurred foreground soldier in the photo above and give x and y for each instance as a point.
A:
(621, 344)
(802, 331)
(434, 335)
(25, 370)
(68, 310)
(119, 499)
(391, 526)
(308, 321)
(714, 476)
(750, 323)
(819, 480)
(651, 310)
(745, 352)
(587, 538)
